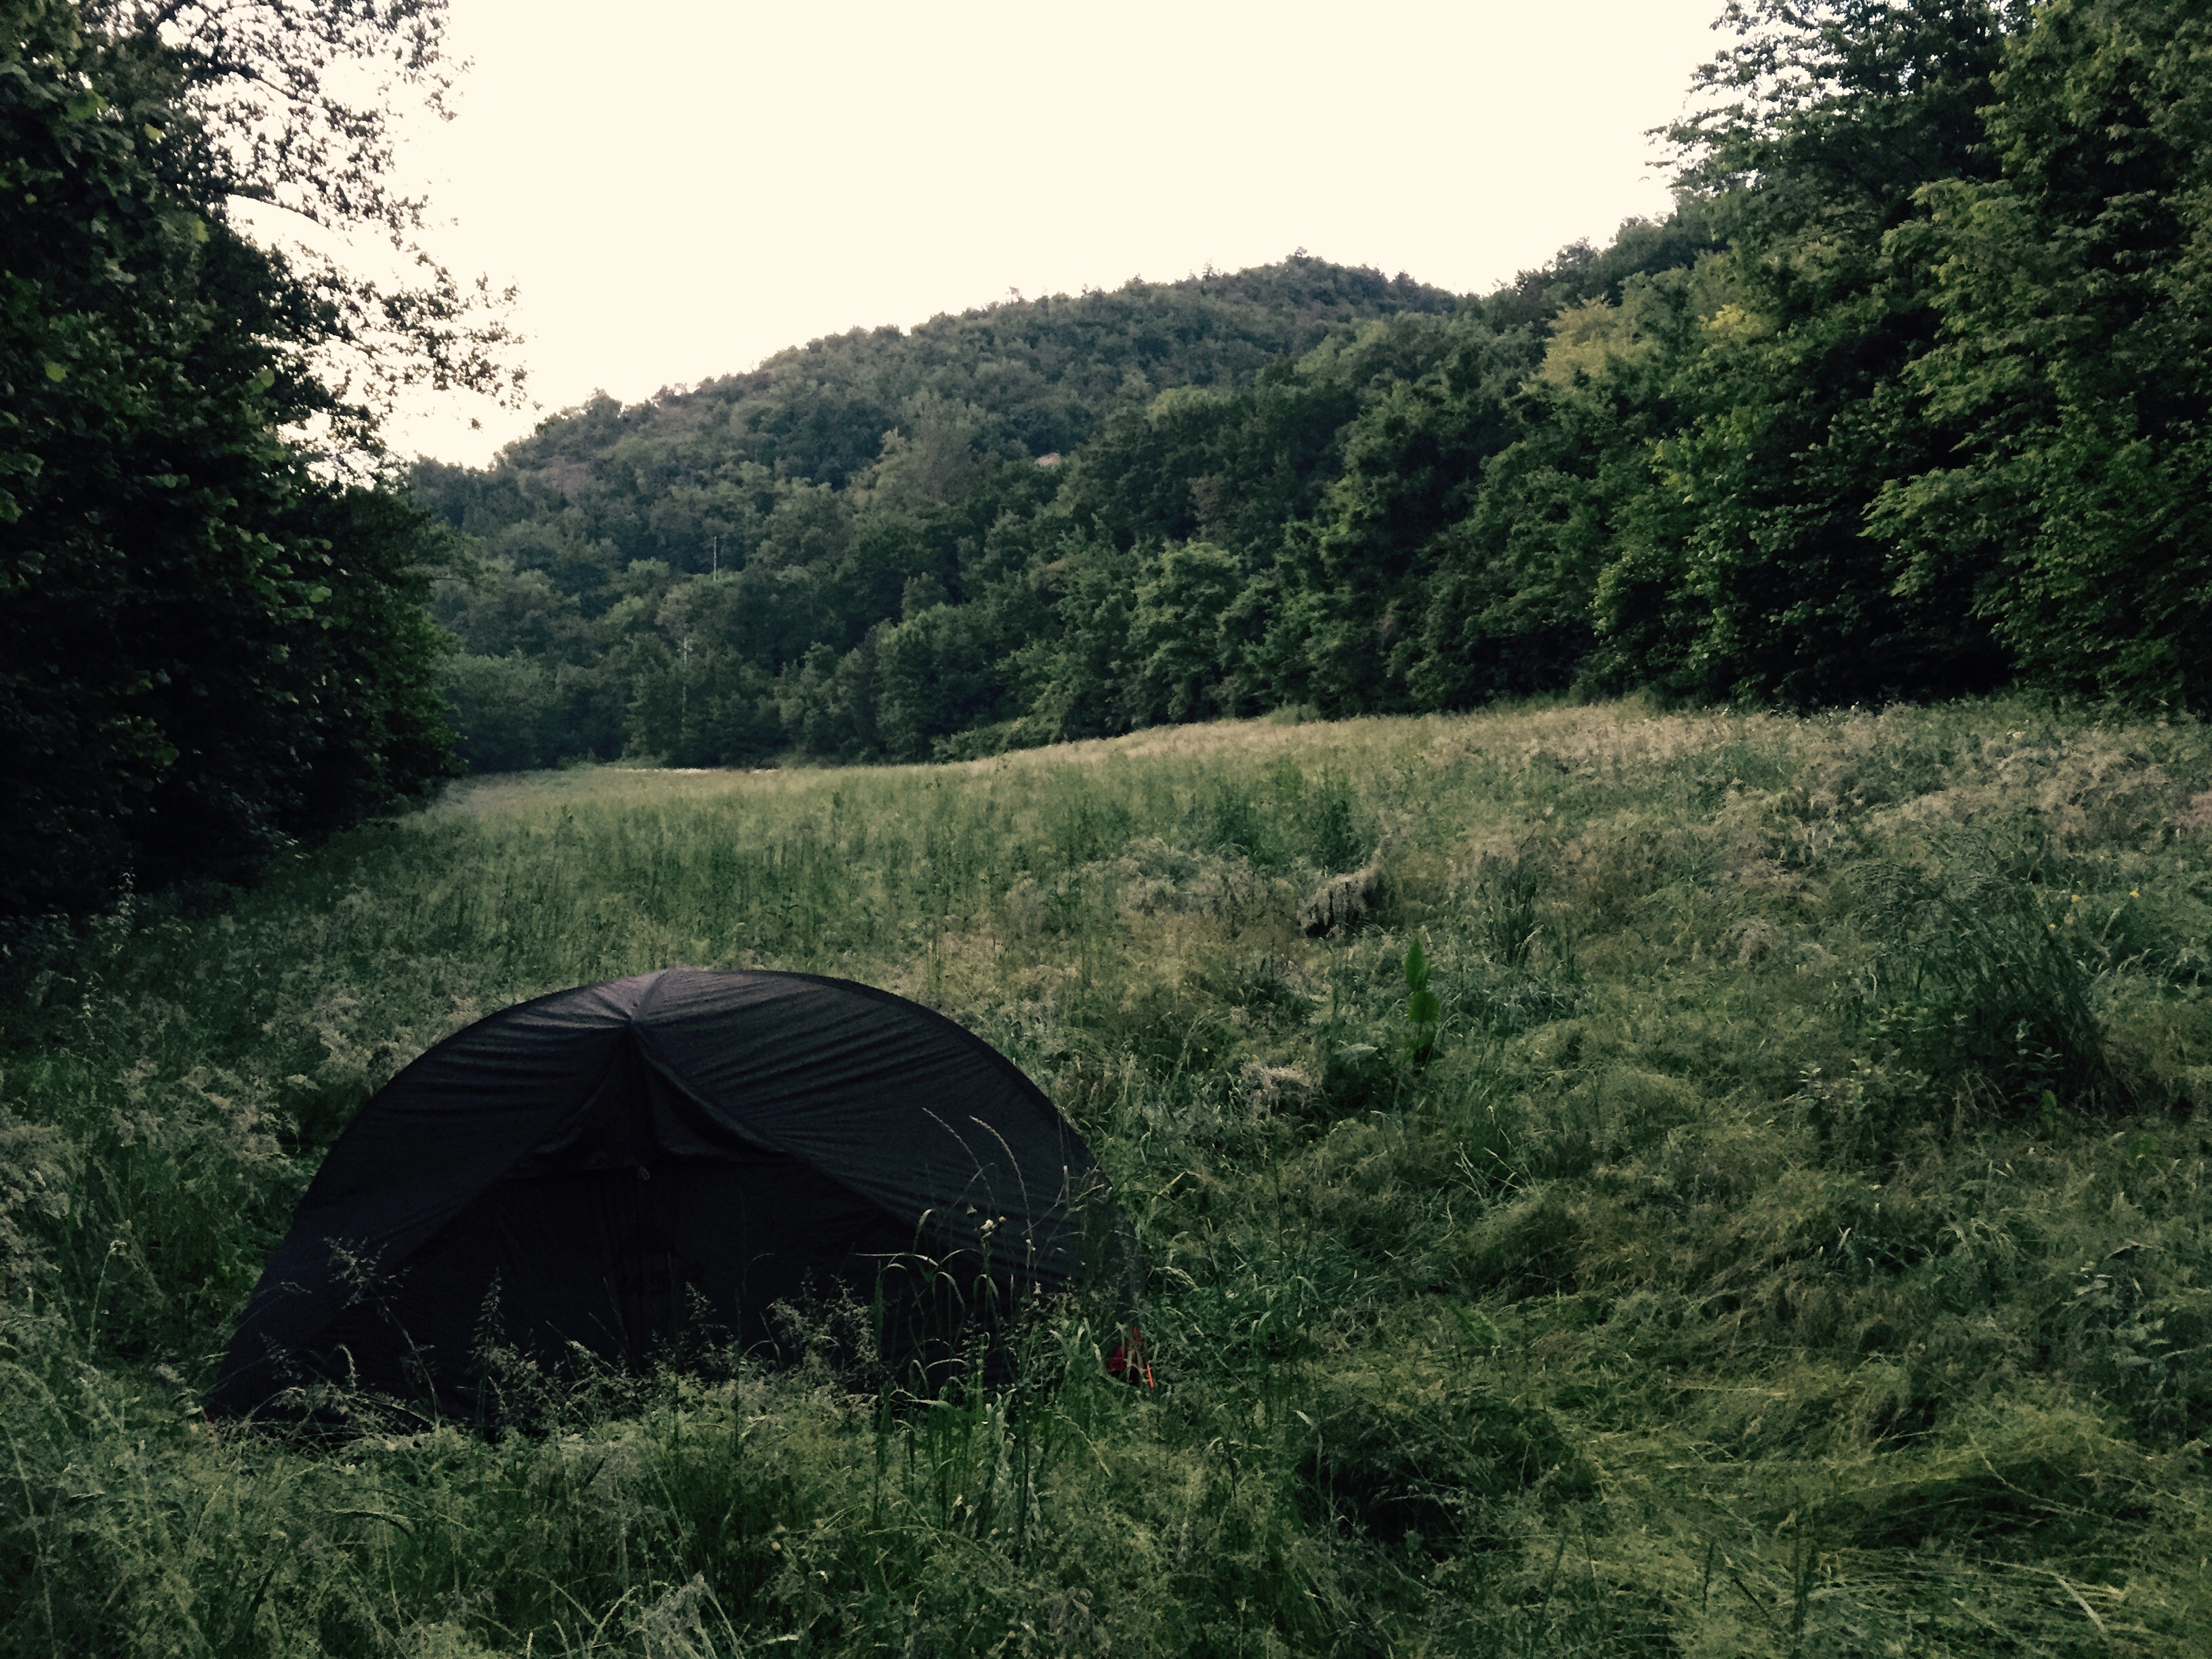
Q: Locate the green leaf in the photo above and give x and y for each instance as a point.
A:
(57, 372)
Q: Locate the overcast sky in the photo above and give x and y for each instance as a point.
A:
(679, 189)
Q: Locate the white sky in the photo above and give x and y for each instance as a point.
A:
(680, 189)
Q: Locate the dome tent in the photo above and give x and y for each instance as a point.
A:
(594, 1167)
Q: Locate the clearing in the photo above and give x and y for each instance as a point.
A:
(1792, 1237)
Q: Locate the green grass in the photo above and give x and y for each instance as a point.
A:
(1791, 1238)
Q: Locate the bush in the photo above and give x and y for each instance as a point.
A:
(1330, 832)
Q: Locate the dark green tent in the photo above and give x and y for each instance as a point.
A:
(601, 1166)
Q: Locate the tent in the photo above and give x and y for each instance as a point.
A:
(599, 1167)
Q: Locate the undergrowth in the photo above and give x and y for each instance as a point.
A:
(1739, 1188)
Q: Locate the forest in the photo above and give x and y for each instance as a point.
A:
(1906, 398)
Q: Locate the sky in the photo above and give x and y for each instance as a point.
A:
(678, 190)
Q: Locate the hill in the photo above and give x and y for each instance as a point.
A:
(1017, 380)
(1794, 1237)
(836, 488)
(1812, 440)
(691, 576)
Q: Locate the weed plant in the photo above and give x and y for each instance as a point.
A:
(1786, 1231)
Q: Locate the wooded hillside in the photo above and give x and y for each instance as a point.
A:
(1905, 399)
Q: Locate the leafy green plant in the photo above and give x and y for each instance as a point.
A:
(1423, 1010)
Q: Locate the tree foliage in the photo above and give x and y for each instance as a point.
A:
(2075, 360)
(212, 632)
(1905, 399)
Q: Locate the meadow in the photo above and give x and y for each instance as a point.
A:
(1767, 1214)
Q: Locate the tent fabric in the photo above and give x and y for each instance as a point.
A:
(582, 1167)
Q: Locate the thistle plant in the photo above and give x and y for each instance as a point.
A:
(1423, 1011)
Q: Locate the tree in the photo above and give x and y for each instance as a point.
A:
(1178, 658)
(212, 639)
(1827, 118)
(1513, 602)
(2075, 359)
(1413, 463)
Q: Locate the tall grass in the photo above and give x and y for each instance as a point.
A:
(1784, 1232)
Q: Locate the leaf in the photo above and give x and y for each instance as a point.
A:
(57, 372)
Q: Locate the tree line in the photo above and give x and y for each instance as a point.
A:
(1907, 397)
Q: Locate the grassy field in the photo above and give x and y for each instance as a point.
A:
(1792, 1236)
